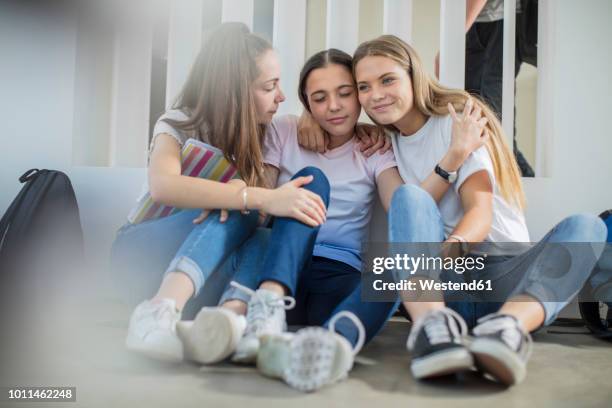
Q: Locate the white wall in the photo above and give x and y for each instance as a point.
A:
(37, 76)
(37, 82)
(526, 94)
(581, 163)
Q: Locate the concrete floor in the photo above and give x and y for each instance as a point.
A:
(81, 344)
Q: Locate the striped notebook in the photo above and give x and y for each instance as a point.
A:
(198, 159)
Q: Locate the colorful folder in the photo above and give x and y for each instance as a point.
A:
(198, 159)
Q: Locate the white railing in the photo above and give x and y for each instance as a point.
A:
(289, 39)
(397, 18)
(130, 97)
(184, 42)
(238, 10)
(452, 43)
(509, 59)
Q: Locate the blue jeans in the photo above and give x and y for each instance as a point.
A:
(414, 217)
(284, 245)
(322, 287)
(209, 253)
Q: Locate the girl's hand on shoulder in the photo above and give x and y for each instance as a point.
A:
(468, 131)
(291, 200)
(310, 135)
(372, 139)
(224, 213)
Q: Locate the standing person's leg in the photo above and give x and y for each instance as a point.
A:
(492, 35)
(524, 166)
(205, 247)
(484, 72)
(537, 285)
(475, 56)
(436, 340)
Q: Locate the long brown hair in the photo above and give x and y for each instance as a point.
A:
(217, 97)
(432, 98)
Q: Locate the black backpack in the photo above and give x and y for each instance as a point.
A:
(41, 230)
(596, 288)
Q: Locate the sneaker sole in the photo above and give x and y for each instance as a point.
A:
(244, 358)
(498, 361)
(147, 349)
(442, 363)
(211, 338)
(273, 354)
(312, 354)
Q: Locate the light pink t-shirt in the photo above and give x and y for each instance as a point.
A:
(352, 179)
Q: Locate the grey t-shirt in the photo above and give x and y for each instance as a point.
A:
(181, 136)
(493, 10)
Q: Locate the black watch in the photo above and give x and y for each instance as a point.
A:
(450, 176)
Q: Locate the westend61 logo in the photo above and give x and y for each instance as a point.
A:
(424, 263)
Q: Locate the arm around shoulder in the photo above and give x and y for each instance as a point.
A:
(387, 182)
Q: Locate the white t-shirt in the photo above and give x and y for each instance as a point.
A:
(181, 136)
(417, 156)
(352, 178)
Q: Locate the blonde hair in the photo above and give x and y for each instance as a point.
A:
(432, 98)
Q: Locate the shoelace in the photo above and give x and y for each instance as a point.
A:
(360, 329)
(512, 332)
(263, 308)
(440, 326)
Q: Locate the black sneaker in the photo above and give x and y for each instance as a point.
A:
(436, 342)
(501, 348)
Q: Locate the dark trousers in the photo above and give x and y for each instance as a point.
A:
(484, 71)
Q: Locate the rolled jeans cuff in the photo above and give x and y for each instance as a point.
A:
(551, 309)
(188, 266)
(233, 293)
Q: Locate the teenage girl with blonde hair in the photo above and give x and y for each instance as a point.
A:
(485, 204)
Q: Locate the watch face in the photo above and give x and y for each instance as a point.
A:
(452, 177)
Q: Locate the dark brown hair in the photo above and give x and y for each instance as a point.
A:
(320, 60)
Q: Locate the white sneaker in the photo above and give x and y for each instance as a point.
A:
(212, 336)
(265, 315)
(311, 358)
(152, 330)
